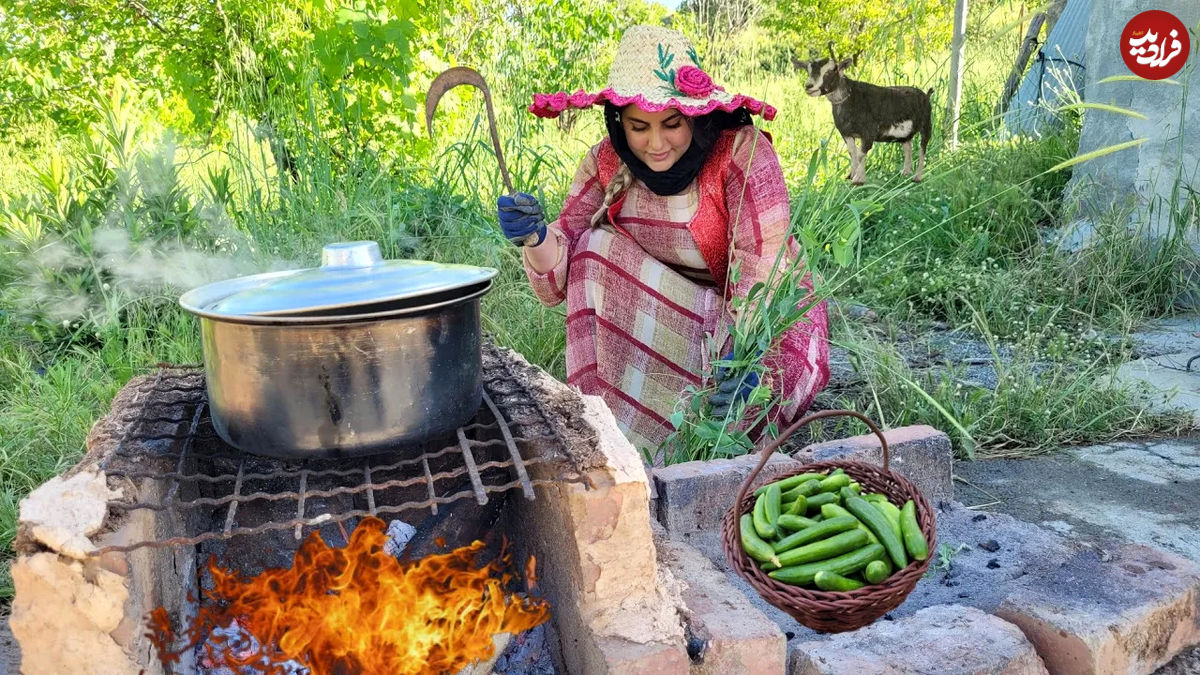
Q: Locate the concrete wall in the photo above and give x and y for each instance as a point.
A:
(1138, 179)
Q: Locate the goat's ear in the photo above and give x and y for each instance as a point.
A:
(846, 64)
(799, 65)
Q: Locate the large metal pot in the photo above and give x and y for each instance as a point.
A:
(353, 358)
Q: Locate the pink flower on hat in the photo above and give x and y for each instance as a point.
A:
(693, 82)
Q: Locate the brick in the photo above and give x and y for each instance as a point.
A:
(738, 638)
(596, 560)
(919, 452)
(938, 639)
(64, 615)
(1129, 612)
(694, 496)
(627, 657)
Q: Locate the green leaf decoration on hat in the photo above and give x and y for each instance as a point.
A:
(691, 52)
(667, 74)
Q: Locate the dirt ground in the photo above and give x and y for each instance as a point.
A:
(10, 654)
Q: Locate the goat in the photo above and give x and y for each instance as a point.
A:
(870, 113)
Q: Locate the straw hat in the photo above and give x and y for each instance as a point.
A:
(655, 68)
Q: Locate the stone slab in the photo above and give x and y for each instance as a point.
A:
(938, 639)
(1164, 384)
(64, 615)
(1161, 462)
(694, 496)
(919, 452)
(1132, 492)
(1178, 335)
(732, 636)
(1130, 611)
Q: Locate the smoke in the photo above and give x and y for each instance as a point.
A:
(67, 283)
(155, 239)
(137, 270)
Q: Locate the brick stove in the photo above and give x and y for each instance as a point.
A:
(129, 527)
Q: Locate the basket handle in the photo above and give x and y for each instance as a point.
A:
(770, 449)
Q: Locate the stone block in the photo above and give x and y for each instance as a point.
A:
(631, 657)
(1127, 612)
(919, 452)
(694, 496)
(938, 639)
(64, 615)
(613, 606)
(736, 636)
(1164, 384)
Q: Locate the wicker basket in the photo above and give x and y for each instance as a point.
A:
(827, 611)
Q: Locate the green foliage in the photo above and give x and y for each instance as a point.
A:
(880, 31)
(341, 71)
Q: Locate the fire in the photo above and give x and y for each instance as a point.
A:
(359, 610)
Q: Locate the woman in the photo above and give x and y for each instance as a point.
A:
(683, 188)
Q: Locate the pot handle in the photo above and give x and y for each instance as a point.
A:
(770, 449)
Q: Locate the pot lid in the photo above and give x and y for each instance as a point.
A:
(351, 274)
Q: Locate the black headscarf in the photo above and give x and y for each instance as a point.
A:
(706, 129)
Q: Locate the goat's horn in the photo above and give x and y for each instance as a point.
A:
(831, 51)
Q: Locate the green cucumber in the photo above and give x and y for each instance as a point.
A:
(753, 546)
(808, 487)
(762, 526)
(789, 521)
(799, 506)
(847, 563)
(790, 482)
(856, 486)
(877, 570)
(874, 497)
(914, 538)
(842, 542)
(830, 581)
(816, 501)
(772, 507)
(835, 483)
(874, 519)
(821, 530)
(834, 510)
(892, 513)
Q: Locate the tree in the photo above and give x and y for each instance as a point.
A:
(880, 30)
(315, 67)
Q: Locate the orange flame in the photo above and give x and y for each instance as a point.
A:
(358, 609)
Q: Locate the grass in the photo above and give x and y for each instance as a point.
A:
(965, 248)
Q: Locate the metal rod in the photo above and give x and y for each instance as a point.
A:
(187, 445)
(297, 522)
(518, 465)
(300, 503)
(370, 487)
(237, 490)
(480, 495)
(332, 492)
(429, 482)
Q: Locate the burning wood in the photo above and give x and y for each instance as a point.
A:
(356, 609)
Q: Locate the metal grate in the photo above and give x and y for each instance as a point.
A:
(169, 458)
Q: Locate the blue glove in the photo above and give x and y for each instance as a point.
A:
(520, 216)
(728, 390)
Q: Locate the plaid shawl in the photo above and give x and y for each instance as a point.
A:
(641, 302)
